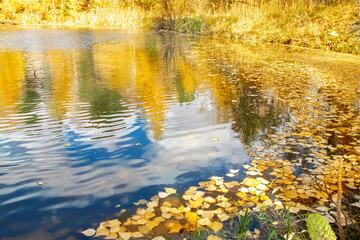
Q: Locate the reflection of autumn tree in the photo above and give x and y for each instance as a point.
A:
(145, 71)
(151, 88)
(185, 83)
(237, 99)
(11, 75)
(63, 80)
(253, 115)
(115, 65)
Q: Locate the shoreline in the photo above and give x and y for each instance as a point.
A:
(334, 27)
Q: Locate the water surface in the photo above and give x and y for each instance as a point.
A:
(95, 118)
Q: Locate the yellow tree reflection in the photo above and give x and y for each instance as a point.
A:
(12, 74)
(63, 81)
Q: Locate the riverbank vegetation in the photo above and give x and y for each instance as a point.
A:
(328, 25)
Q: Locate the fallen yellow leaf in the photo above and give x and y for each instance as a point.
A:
(216, 226)
(102, 231)
(89, 232)
(137, 235)
(151, 224)
(125, 235)
(213, 237)
(170, 190)
(112, 235)
(251, 182)
(176, 228)
(163, 194)
(204, 222)
(209, 200)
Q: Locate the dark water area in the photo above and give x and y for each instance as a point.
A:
(91, 119)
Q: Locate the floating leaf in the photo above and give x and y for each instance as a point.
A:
(209, 200)
(290, 194)
(163, 194)
(125, 235)
(102, 231)
(152, 204)
(322, 209)
(137, 235)
(234, 171)
(211, 188)
(213, 237)
(143, 229)
(231, 184)
(204, 222)
(191, 216)
(112, 235)
(216, 226)
(261, 187)
(151, 224)
(223, 217)
(114, 223)
(176, 228)
(253, 173)
(159, 238)
(246, 166)
(170, 190)
(166, 215)
(294, 209)
(89, 232)
(141, 221)
(115, 229)
(250, 182)
(230, 175)
(140, 202)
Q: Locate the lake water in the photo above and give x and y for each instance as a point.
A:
(91, 119)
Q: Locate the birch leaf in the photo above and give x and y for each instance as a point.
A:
(216, 226)
(89, 232)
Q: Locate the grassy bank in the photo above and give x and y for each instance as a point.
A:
(314, 24)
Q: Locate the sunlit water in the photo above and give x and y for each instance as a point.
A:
(91, 119)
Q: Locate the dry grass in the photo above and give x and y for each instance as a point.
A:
(318, 26)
